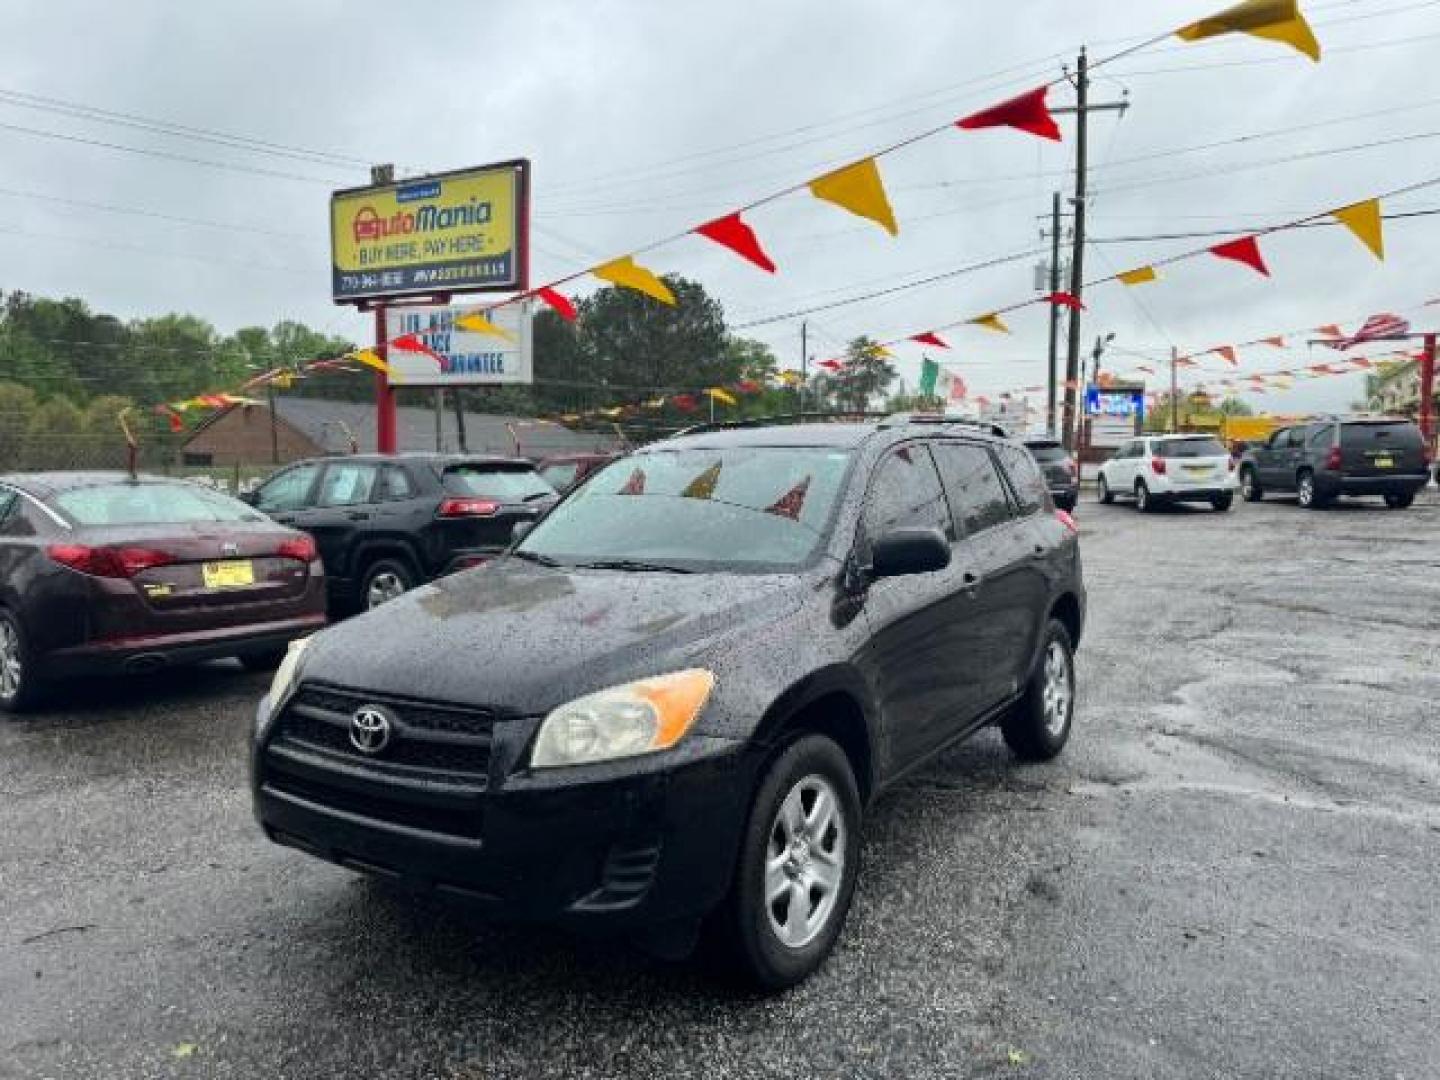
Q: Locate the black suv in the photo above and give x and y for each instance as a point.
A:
(675, 697)
(1325, 459)
(1062, 475)
(385, 523)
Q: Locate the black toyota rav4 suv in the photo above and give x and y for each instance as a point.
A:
(673, 701)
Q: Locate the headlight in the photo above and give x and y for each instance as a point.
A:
(624, 721)
(285, 673)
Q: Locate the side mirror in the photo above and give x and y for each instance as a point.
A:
(519, 531)
(909, 550)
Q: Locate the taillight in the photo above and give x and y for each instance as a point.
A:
(453, 508)
(1157, 466)
(108, 562)
(301, 548)
(1332, 459)
(1068, 521)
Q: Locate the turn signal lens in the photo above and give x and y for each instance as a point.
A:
(638, 718)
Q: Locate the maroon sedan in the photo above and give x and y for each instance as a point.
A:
(101, 573)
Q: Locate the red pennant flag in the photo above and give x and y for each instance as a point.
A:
(790, 504)
(729, 231)
(685, 402)
(1330, 330)
(1028, 112)
(930, 338)
(1277, 341)
(1360, 361)
(412, 343)
(1227, 353)
(1067, 300)
(1245, 250)
(635, 485)
(177, 422)
(830, 365)
(559, 304)
(748, 386)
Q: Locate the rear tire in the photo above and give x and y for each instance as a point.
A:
(1223, 502)
(268, 660)
(1250, 489)
(1106, 495)
(385, 580)
(1144, 501)
(803, 863)
(1038, 726)
(1399, 502)
(20, 688)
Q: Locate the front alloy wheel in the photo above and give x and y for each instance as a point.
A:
(1305, 489)
(806, 864)
(17, 682)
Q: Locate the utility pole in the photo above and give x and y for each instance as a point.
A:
(1174, 389)
(459, 418)
(804, 362)
(1050, 388)
(439, 419)
(1082, 110)
(274, 427)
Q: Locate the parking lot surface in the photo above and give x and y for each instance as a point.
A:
(1231, 872)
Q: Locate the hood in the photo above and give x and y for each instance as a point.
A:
(523, 638)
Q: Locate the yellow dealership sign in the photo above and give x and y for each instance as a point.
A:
(465, 231)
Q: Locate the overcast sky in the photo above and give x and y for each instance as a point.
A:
(644, 118)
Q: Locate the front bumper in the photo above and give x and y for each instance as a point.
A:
(619, 846)
(154, 651)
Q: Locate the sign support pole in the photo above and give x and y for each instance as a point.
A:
(384, 392)
(1427, 392)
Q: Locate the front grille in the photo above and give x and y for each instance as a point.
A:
(431, 775)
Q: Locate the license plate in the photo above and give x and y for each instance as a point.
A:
(228, 575)
(1197, 469)
(1384, 463)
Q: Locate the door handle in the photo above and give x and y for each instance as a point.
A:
(1039, 549)
(969, 580)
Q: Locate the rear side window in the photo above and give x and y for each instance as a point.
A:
(288, 491)
(347, 484)
(905, 491)
(1322, 435)
(975, 488)
(395, 484)
(1190, 448)
(1025, 478)
(1396, 436)
(8, 499)
(1047, 452)
(506, 484)
(150, 504)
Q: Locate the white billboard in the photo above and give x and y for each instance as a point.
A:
(467, 358)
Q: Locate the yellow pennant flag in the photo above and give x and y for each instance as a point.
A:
(880, 350)
(703, 486)
(722, 396)
(370, 358)
(859, 189)
(628, 274)
(479, 324)
(1139, 276)
(1275, 20)
(1364, 220)
(991, 322)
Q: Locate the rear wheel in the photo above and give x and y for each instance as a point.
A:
(1144, 501)
(1399, 502)
(1250, 489)
(384, 581)
(1038, 726)
(797, 866)
(19, 688)
(1106, 495)
(1223, 501)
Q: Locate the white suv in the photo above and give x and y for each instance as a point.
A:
(1162, 469)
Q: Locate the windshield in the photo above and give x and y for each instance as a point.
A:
(500, 483)
(1187, 448)
(736, 508)
(1047, 452)
(150, 504)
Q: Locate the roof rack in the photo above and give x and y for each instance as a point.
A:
(987, 426)
(781, 419)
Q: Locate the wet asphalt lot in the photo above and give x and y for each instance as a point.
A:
(1234, 871)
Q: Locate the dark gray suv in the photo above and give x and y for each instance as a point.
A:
(1326, 459)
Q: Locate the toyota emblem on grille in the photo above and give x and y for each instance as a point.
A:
(370, 729)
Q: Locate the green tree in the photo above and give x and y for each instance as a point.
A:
(55, 436)
(865, 376)
(17, 404)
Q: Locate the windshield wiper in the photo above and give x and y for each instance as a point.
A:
(633, 564)
(535, 557)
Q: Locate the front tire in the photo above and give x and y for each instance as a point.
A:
(384, 581)
(19, 685)
(1106, 495)
(1223, 501)
(1399, 502)
(1250, 489)
(798, 862)
(1038, 726)
(1305, 491)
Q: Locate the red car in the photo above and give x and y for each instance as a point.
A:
(101, 573)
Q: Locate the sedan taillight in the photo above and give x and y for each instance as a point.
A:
(455, 508)
(301, 548)
(1157, 466)
(108, 562)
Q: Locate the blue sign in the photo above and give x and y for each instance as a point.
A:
(1108, 401)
